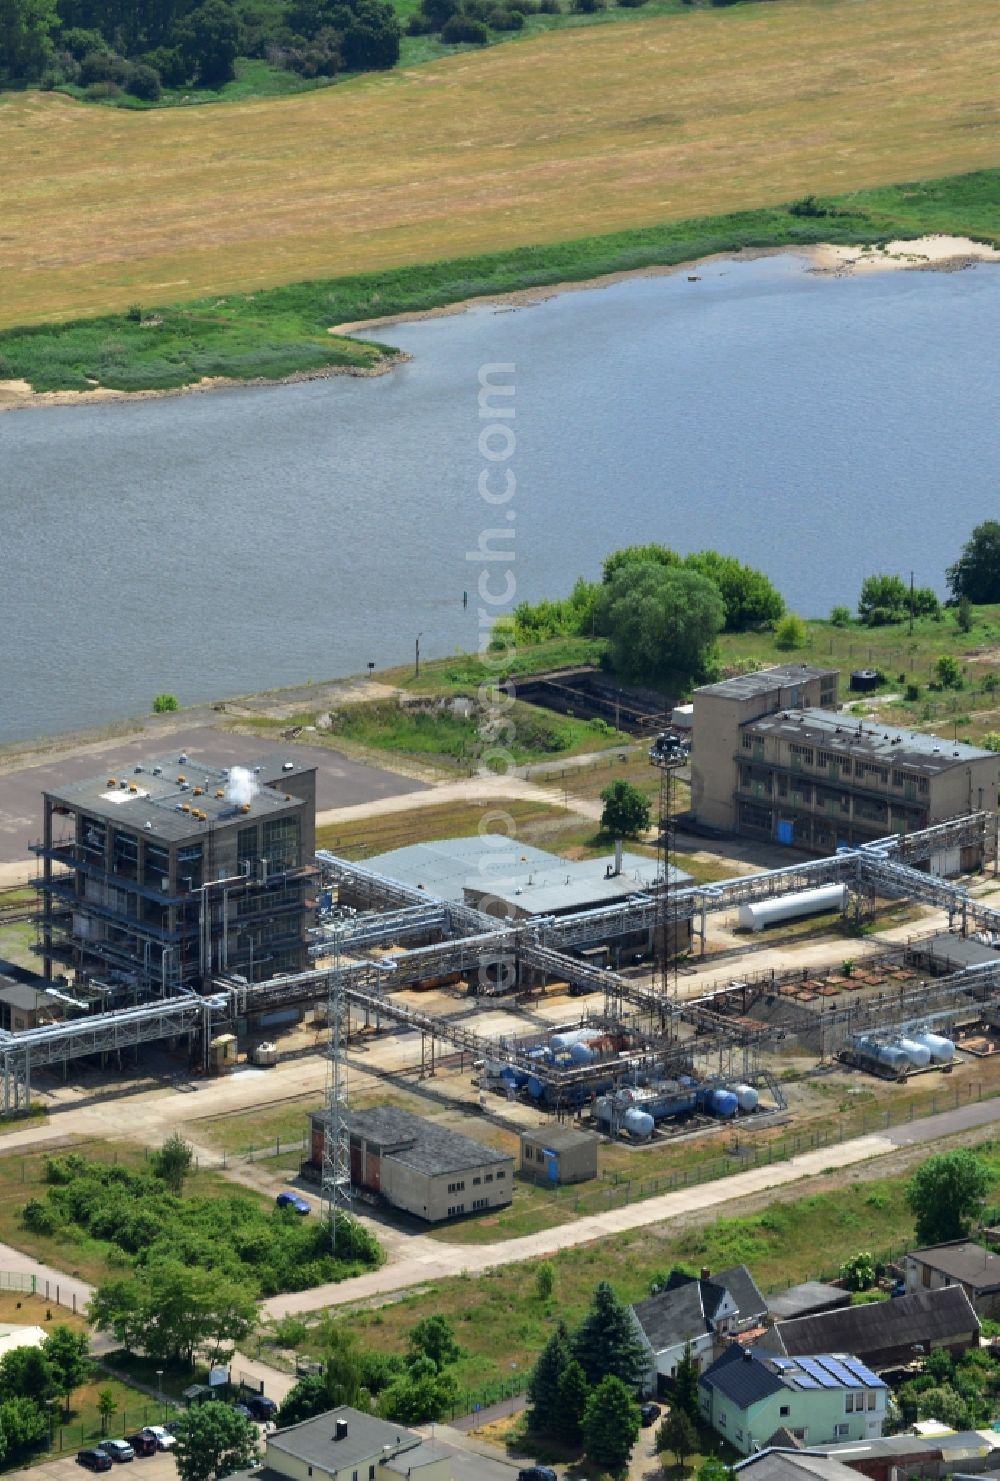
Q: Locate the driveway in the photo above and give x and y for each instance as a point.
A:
(158, 1467)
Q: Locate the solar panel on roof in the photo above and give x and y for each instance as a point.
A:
(783, 1363)
(838, 1370)
(802, 1381)
(817, 1371)
(866, 1376)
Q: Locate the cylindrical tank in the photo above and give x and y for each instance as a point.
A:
(791, 907)
(889, 1056)
(603, 1109)
(513, 1076)
(570, 1036)
(942, 1050)
(582, 1054)
(747, 1098)
(638, 1124)
(536, 1088)
(918, 1054)
(723, 1103)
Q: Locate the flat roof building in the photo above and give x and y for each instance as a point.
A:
(774, 758)
(419, 1167)
(559, 1154)
(177, 871)
(963, 1263)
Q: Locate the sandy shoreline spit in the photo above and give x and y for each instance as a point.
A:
(937, 254)
(930, 253)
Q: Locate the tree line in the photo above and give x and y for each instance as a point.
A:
(109, 47)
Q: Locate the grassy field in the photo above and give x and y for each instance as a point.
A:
(572, 134)
(363, 837)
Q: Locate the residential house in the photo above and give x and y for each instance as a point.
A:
(701, 1312)
(963, 1263)
(345, 1444)
(883, 1333)
(748, 1394)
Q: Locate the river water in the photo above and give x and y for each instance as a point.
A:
(211, 545)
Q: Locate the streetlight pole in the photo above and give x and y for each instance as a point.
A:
(159, 1393)
(416, 666)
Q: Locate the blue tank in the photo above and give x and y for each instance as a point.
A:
(723, 1103)
(512, 1076)
(582, 1054)
(536, 1088)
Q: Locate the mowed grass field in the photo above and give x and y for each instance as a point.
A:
(562, 136)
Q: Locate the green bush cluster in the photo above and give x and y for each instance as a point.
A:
(140, 1220)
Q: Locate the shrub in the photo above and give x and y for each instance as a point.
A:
(419, 24)
(790, 632)
(163, 703)
(912, 692)
(549, 7)
(963, 615)
(949, 675)
(103, 66)
(840, 616)
(505, 20)
(99, 91)
(143, 82)
(458, 29)
(587, 7)
(807, 206)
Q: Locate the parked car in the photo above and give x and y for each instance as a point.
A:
(119, 1450)
(536, 1473)
(93, 1460)
(261, 1407)
(292, 1200)
(143, 1443)
(649, 1414)
(162, 1435)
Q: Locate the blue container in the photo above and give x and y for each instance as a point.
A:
(723, 1103)
(535, 1087)
(582, 1054)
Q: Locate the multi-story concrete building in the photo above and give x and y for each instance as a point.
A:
(179, 870)
(773, 758)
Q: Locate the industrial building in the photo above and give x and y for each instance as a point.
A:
(774, 758)
(514, 881)
(180, 870)
(747, 1395)
(558, 1154)
(419, 1167)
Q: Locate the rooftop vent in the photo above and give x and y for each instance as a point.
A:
(340, 1433)
(147, 825)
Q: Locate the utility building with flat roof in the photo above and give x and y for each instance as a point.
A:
(559, 1154)
(177, 871)
(417, 1166)
(773, 758)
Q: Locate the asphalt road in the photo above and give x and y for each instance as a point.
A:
(339, 781)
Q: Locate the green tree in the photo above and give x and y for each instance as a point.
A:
(606, 1344)
(26, 31)
(573, 1396)
(545, 1280)
(963, 615)
(944, 1195)
(371, 41)
(637, 555)
(791, 632)
(677, 1433)
(685, 1396)
(661, 622)
(611, 1424)
(991, 740)
(213, 1441)
(976, 573)
(23, 1423)
(176, 1308)
(949, 675)
(209, 39)
(748, 597)
(434, 1337)
(117, 1307)
(626, 810)
(107, 1405)
(858, 1272)
(543, 1386)
(172, 1162)
(26, 1373)
(883, 600)
(420, 1395)
(840, 617)
(163, 703)
(304, 1400)
(944, 1404)
(68, 1354)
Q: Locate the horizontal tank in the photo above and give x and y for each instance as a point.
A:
(941, 1050)
(918, 1054)
(582, 1054)
(723, 1103)
(638, 1124)
(792, 907)
(888, 1056)
(667, 1098)
(513, 1076)
(568, 1037)
(746, 1097)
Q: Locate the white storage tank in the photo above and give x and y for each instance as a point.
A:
(638, 1124)
(942, 1050)
(763, 913)
(266, 1054)
(918, 1054)
(746, 1098)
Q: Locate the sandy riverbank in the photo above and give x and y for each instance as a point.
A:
(929, 253)
(933, 254)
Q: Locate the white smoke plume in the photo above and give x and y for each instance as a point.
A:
(242, 786)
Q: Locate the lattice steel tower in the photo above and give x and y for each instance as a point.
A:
(336, 1183)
